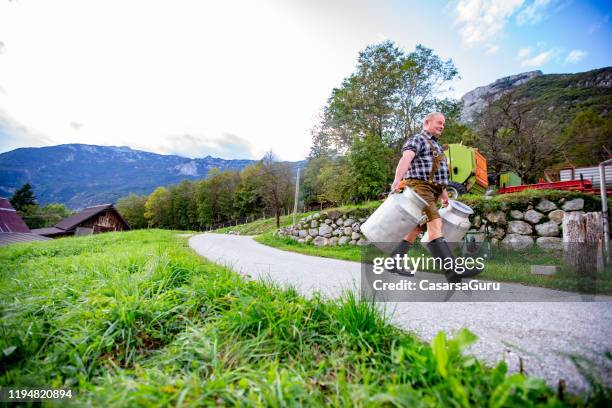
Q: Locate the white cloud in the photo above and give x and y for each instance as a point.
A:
(524, 52)
(533, 13)
(482, 21)
(540, 59)
(574, 56)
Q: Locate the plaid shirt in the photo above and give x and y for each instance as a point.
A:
(423, 160)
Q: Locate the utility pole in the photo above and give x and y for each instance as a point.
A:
(297, 190)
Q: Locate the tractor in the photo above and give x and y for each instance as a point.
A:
(468, 172)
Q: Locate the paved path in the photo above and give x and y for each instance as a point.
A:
(543, 334)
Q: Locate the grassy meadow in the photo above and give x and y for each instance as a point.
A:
(138, 319)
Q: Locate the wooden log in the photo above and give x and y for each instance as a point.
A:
(582, 235)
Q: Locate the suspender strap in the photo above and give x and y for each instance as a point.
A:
(437, 158)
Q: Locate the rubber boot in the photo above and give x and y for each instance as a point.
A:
(439, 249)
(443, 251)
(401, 249)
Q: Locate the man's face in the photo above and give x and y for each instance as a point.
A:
(435, 125)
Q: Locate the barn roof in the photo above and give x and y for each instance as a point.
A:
(48, 231)
(74, 220)
(10, 221)
(15, 237)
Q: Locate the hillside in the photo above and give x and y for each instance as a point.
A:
(562, 95)
(80, 175)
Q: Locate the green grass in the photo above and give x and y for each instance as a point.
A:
(266, 225)
(261, 226)
(504, 266)
(520, 200)
(138, 319)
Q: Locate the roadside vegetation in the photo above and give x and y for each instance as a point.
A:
(138, 319)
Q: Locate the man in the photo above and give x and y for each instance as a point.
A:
(424, 169)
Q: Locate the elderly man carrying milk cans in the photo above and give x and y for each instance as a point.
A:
(424, 169)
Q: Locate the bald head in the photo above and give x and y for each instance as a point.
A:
(434, 123)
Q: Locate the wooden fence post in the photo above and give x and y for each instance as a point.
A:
(582, 241)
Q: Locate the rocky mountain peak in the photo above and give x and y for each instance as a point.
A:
(476, 100)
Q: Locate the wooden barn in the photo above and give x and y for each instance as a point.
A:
(91, 220)
(12, 227)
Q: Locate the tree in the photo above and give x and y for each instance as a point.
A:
(370, 168)
(336, 181)
(132, 208)
(214, 196)
(387, 97)
(517, 137)
(23, 197)
(183, 206)
(424, 76)
(247, 200)
(275, 185)
(588, 139)
(157, 208)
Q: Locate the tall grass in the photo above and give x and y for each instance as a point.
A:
(137, 319)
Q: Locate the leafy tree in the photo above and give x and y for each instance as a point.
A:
(247, 200)
(23, 197)
(424, 76)
(312, 183)
(371, 173)
(275, 185)
(157, 208)
(214, 196)
(588, 139)
(183, 206)
(387, 97)
(132, 208)
(336, 181)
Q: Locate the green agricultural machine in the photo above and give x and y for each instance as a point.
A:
(468, 171)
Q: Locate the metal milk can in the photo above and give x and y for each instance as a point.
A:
(397, 216)
(455, 223)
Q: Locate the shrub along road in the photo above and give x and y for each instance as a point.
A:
(566, 339)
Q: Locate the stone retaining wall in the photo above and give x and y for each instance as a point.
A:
(538, 224)
(328, 228)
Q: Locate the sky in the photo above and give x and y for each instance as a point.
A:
(234, 79)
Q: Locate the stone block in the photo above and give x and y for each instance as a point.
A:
(548, 229)
(519, 227)
(533, 216)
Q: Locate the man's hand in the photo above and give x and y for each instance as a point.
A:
(444, 198)
(395, 186)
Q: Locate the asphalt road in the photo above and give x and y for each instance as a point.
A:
(547, 336)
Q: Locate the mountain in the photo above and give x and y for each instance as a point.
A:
(561, 95)
(80, 175)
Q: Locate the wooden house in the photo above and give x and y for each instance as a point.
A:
(91, 220)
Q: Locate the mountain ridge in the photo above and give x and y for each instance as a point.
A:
(79, 175)
(561, 95)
